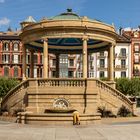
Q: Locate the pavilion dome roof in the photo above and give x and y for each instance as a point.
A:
(69, 15)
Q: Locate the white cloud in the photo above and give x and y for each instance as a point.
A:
(4, 21)
(2, 1)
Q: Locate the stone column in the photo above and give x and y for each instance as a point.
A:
(24, 62)
(57, 65)
(32, 64)
(111, 63)
(45, 58)
(85, 57)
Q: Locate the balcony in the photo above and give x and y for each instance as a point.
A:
(121, 67)
(102, 68)
(136, 72)
(91, 58)
(122, 56)
(99, 56)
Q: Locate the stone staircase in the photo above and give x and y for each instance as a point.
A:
(84, 95)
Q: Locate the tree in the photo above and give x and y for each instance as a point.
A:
(135, 87)
(6, 84)
(123, 85)
(128, 86)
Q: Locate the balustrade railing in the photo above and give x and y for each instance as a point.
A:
(115, 93)
(15, 90)
(61, 82)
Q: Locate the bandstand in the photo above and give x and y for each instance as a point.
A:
(51, 100)
(67, 33)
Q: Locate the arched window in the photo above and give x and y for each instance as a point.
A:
(6, 46)
(15, 71)
(15, 47)
(6, 71)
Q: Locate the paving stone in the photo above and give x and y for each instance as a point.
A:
(120, 131)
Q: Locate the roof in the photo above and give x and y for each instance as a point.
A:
(9, 36)
(30, 19)
(67, 15)
(123, 38)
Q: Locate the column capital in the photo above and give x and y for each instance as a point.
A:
(113, 44)
(45, 39)
(85, 38)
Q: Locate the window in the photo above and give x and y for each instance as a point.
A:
(53, 73)
(15, 47)
(91, 65)
(35, 58)
(123, 52)
(91, 57)
(70, 74)
(123, 74)
(15, 71)
(102, 74)
(79, 74)
(28, 59)
(123, 63)
(54, 62)
(136, 71)
(6, 58)
(91, 74)
(102, 63)
(136, 47)
(15, 58)
(41, 58)
(6, 46)
(35, 72)
(101, 53)
(136, 58)
(41, 72)
(28, 72)
(71, 62)
(6, 71)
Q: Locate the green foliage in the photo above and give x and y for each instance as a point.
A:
(128, 86)
(135, 86)
(123, 85)
(104, 79)
(104, 112)
(6, 84)
(124, 112)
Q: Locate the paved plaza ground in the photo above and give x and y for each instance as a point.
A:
(114, 130)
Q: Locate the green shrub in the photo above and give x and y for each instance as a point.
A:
(104, 78)
(104, 112)
(124, 112)
(6, 84)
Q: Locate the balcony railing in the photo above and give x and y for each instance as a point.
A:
(121, 67)
(123, 56)
(101, 56)
(102, 67)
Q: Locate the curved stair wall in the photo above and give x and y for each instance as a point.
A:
(113, 99)
(15, 99)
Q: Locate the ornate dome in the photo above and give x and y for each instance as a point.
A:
(67, 15)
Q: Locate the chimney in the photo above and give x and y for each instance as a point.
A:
(120, 31)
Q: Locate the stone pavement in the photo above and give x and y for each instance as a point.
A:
(113, 131)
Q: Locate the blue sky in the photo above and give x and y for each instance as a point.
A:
(125, 13)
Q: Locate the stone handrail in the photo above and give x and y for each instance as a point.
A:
(15, 91)
(55, 82)
(116, 93)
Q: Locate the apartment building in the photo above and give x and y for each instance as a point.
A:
(70, 65)
(134, 35)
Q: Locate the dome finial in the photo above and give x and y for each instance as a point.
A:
(69, 10)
